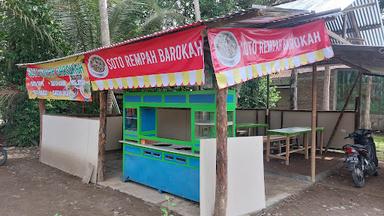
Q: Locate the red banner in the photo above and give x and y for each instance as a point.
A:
(239, 54)
(174, 59)
(58, 82)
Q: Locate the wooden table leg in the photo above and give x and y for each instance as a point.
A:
(287, 145)
(268, 152)
(306, 145)
(321, 142)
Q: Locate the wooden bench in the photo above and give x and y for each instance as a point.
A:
(278, 142)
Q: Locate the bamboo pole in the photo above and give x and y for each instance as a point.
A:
(221, 153)
(314, 123)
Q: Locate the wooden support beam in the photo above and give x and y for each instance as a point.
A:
(293, 95)
(102, 135)
(41, 113)
(344, 26)
(342, 112)
(326, 88)
(337, 37)
(221, 195)
(314, 123)
(267, 117)
(352, 19)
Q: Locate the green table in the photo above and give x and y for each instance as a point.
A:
(249, 126)
(288, 133)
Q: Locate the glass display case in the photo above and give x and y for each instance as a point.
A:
(130, 121)
(204, 125)
(231, 127)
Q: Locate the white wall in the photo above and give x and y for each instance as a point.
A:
(70, 143)
(246, 191)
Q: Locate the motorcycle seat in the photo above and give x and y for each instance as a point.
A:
(357, 146)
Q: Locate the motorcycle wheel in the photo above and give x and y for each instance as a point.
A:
(3, 156)
(358, 177)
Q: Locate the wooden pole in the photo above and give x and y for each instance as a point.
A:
(105, 41)
(267, 117)
(196, 5)
(102, 135)
(221, 153)
(326, 88)
(41, 112)
(293, 95)
(342, 113)
(314, 123)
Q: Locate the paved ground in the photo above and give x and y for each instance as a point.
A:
(335, 196)
(29, 188)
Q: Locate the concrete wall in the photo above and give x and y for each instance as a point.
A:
(70, 143)
(246, 190)
(291, 118)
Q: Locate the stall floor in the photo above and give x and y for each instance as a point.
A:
(278, 184)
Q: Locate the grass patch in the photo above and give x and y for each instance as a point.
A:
(379, 141)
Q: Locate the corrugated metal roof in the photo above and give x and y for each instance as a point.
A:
(367, 13)
(317, 5)
(253, 17)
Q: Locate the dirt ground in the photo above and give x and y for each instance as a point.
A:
(335, 195)
(30, 188)
(299, 165)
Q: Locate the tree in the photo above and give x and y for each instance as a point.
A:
(253, 94)
(29, 33)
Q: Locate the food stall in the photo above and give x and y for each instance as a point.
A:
(169, 164)
(181, 57)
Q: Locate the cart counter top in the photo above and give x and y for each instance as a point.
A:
(176, 149)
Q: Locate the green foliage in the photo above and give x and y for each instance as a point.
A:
(29, 33)
(165, 211)
(253, 94)
(37, 30)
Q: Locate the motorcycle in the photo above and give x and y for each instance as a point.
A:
(361, 158)
(3, 155)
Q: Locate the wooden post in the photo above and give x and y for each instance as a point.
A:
(367, 105)
(221, 153)
(42, 112)
(293, 96)
(326, 88)
(314, 123)
(196, 5)
(102, 135)
(267, 117)
(105, 41)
